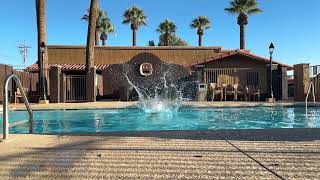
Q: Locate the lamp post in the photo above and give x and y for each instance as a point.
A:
(43, 82)
(271, 49)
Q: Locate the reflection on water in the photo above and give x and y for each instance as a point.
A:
(184, 119)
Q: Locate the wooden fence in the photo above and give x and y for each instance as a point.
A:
(28, 80)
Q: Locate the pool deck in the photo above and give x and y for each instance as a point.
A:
(121, 104)
(221, 154)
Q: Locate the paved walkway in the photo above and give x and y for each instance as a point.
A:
(233, 154)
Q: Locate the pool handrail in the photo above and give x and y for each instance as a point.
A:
(311, 86)
(5, 105)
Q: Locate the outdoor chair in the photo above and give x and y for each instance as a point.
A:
(18, 95)
(215, 90)
(240, 92)
(229, 90)
(253, 91)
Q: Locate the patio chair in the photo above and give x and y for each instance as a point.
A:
(253, 91)
(18, 95)
(240, 92)
(215, 90)
(229, 90)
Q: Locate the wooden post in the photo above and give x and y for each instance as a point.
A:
(55, 75)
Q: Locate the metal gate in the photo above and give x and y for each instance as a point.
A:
(75, 88)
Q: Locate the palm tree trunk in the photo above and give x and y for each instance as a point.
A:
(91, 35)
(42, 37)
(200, 40)
(242, 37)
(166, 36)
(97, 37)
(103, 42)
(134, 37)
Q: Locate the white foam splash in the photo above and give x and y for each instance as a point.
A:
(165, 97)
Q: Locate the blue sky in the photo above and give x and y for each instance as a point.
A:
(292, 25)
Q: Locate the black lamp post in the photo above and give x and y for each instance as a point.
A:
(43, 82)
(271, 49)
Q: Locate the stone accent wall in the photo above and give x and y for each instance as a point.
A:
(301, 81)
(116, 84)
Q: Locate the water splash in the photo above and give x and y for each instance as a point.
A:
(164, 97)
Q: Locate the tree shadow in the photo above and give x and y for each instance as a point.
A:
(283, 134)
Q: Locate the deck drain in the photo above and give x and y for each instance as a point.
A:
(197, 156)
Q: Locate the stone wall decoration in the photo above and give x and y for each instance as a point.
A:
(146, 69)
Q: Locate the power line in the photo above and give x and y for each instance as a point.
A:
(24, 50)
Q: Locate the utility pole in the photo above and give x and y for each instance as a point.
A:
(24, 50)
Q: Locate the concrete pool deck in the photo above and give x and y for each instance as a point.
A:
(122, 104)
(221, 154)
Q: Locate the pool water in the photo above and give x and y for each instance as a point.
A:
(107, 120)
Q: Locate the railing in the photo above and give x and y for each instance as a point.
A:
(244, 76)
(6, 109)
(311, 87)
(314, 70)
(75, 88)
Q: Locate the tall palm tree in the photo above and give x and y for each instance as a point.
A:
(243, 8)
(91, 35)
(101, 17)
(166, 28)
(201, 23)
(136, 18)
(42, 37)
(106, 28)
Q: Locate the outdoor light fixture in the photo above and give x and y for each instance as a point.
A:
(43, 47)
(43, 82)
(271, 49)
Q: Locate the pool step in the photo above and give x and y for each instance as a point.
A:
(18, 123)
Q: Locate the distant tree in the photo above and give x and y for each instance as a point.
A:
(100, 22)
(91, 35)
(201, 23)
(136, 18)
(174, 40)
(151, 43)
(243, 8)
(106, 28)
(166, 28)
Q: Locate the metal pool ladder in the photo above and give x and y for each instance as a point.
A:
(311, 87)
(5, 105)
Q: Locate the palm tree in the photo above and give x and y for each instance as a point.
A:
(166, 28)
(136, 18)
(101, 17)
(201, 23)
(106, 28)
(91, 35)
(243, 8)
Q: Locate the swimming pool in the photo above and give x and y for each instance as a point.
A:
(132, 119)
